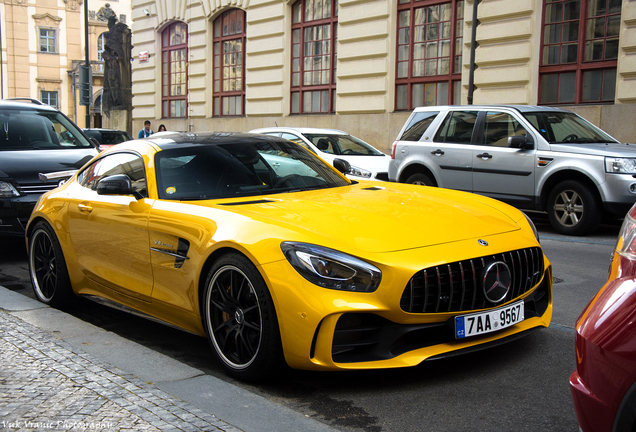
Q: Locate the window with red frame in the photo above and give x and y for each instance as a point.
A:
(174, 54)
(429, 53)
(314, 36)
(229, 64)
(579, 51)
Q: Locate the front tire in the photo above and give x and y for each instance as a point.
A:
(47, 267)
(574, 209)
(240, 320)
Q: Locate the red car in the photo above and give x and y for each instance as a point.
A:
(604, 383)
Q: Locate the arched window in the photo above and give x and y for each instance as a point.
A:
(579, 51)
(429, 53)
(101, 42)
(174, 55)
(229, 64)
(314, 37)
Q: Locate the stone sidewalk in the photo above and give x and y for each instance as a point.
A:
(48, 384)
(58, 372)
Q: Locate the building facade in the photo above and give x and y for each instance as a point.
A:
(43, 44)
(363, 65)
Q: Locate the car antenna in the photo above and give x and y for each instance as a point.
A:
(276, 123)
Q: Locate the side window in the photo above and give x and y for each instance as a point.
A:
(121, 163)
(418, 125)
(498, 127)
(296, 139)
(457, 128)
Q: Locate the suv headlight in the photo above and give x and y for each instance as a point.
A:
(7, 190)
(626, 243)
(359, 172)
(331, 269)
(620, 165)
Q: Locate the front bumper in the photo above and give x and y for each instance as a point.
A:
(15, 213)
(333, 330)
(619, 192)
(592, 413)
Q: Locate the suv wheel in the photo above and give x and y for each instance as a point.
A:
(573, 209)
(420, 179)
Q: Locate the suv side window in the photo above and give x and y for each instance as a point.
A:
(498, 127)
(418, 125)
(457, 127)
(120, 163)
(296, 139)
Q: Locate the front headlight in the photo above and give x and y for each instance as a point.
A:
(7, 190)
(626, 243)
(534, 228)
(620, 165)
(359, 172)
(331, 269)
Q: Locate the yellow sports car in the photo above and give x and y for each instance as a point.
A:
(276, 256)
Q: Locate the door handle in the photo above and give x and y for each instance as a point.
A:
(437, 152)
(85, 208)
(484, 156)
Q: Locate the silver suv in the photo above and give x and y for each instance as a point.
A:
(533, 157)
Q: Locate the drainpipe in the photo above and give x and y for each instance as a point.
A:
(473, 46)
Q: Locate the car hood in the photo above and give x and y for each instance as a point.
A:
(609, 149)
(364, 217)
(24, 166)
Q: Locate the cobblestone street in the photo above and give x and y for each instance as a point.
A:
(47, 384)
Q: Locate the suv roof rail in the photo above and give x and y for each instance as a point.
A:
(25, 99)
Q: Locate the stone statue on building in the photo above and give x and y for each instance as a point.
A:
(105, 13)
(117, 93)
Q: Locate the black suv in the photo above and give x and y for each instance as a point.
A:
(35, 139)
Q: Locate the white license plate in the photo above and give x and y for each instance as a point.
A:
(486, 322)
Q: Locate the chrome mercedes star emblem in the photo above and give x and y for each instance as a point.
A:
(497, 281)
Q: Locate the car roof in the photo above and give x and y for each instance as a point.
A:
(172, 140)
(302, 130)
(25, 103)
(520, 108)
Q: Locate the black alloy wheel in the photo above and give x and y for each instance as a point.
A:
(240, 319)
(47, 267)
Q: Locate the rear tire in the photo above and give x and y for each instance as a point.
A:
(420, 179)
(574, 209)
(47, 267)
(240, 320)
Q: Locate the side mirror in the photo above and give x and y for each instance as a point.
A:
(521, 142)
(118, 184)
(342, 165)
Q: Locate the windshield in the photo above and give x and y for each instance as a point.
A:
(240, 170)
(559, 127)
(342, 145)
(38, 130)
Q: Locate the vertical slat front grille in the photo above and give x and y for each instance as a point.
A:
(458, 286)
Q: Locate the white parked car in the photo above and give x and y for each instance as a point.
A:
(366, 161)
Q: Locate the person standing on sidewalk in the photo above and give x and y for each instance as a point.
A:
(146, 131)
